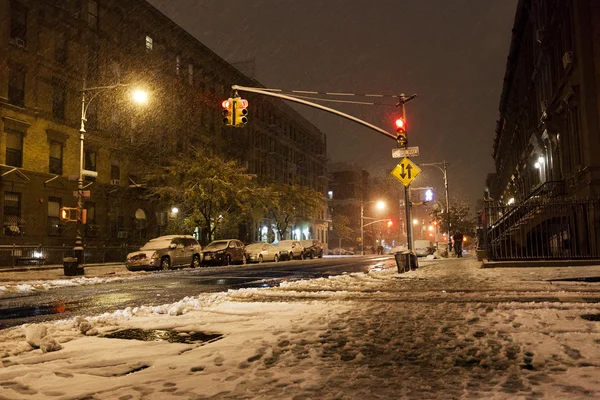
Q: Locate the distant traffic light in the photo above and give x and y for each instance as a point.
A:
(228, 112)
(401, 133)
(429, 195)
(241, 112)
(390, 223)
(68, 214)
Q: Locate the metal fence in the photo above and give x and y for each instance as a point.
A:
(543, 229)
(19, 255)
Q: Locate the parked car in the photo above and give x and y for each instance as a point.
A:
(259, 252)
(312, 248)
(291, 249)
(165, 252)
(423, 248)
(224, 252)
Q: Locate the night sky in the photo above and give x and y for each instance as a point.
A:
(452, 54)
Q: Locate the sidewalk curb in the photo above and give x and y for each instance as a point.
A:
(53, 266)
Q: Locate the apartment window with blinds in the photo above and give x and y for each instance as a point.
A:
(12, 222)
(54, 226)
(56, 158)
(14, 148)
(92, 14)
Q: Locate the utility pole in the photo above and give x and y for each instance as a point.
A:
(403, 144)
(444, 171)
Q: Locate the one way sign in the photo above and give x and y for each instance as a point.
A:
(406, 171)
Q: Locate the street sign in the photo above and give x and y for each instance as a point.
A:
(406, 171)
(408, 152)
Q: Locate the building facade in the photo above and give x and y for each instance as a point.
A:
(53, 49)
(548, 134)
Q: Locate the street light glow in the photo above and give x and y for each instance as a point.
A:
(174, 210)
(380, 205)
(140, 96)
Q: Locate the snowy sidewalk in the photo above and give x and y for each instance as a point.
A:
(449, 330)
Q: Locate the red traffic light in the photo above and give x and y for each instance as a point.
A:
(400, 124)
(242, 103)
(226, 104)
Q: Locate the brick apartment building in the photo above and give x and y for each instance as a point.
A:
(52, 49)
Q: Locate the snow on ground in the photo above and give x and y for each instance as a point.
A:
(449, 330)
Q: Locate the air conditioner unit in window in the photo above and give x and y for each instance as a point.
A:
(115, 181)
(122, 234)
(567, 59)
(19, 42)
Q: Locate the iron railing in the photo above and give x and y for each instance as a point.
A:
(543, 229)
(19, 255)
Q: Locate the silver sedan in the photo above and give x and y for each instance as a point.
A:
(260, 252)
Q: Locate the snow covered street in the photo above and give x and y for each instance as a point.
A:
(449, 330)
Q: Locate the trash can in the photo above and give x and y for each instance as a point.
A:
(71, 267)
(402, 258)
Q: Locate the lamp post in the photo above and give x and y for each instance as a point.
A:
(445, 173)
(380, 206)
(139, 96)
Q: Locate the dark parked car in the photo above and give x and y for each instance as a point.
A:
(224, 252)
(165, 252)
(313, 248)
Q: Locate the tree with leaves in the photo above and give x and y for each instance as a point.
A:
(461, 218)
(290, 204)
(341, 227)
(210, 192)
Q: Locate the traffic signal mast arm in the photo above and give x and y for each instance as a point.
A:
(315, 105)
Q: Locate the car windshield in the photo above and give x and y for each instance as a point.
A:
(157, 244)
(219, 244)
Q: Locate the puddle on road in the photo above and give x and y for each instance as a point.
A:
(164, 335)
(591, 317)
(578, 279)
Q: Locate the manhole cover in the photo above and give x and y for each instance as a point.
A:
(159, 335)
(591, 317)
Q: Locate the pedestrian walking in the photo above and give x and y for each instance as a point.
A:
(458, 239)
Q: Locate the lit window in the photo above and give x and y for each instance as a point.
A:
(149, 44)
(54, 227)
(330, 194)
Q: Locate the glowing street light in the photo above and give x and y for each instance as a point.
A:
(380, 205)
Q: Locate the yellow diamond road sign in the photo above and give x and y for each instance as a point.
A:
(406, 171)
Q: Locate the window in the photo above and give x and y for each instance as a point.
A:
(149, 44)
(58, 100)
(54, 226)
(14, 148)
(18, 22)
(16, 86)
(90, 163)
(92, 14)
(60, 48)
(177, 64)
(12, 214)
(115, 172)
(56, 155)
(191, 74)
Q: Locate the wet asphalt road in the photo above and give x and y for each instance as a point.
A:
(164, 287)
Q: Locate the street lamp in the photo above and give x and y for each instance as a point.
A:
(445, 173)
(380, 206)
(138, 96)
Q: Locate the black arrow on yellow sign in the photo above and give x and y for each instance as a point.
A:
(403, 173)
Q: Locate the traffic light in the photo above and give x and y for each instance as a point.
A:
(241, 112)
(390, 223)
(228, 112)
(428, 195)
(401, 133)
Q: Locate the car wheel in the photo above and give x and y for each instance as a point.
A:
(275, 258)
(260, 258)
(165, 263)
(195, 261)
(244, 260)
(312, 255)
(321, 255)
(290, 256)
(227, 260)
(302, 256)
